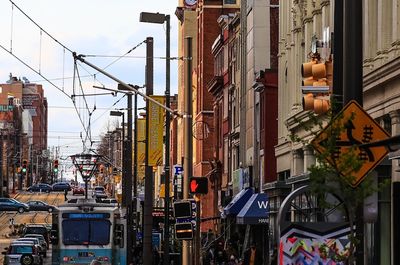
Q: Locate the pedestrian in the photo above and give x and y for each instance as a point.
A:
(252, 256)
(65, 195)
(220, 257)
(232, 260)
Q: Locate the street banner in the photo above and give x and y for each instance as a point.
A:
(156, 129)
(141, 152)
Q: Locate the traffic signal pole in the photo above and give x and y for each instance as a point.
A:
(353, 86)
(148, 185)
(188, 138)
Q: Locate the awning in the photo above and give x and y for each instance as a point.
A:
(234, 207)
(255, 211)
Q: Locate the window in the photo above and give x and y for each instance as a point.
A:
(21, 250)
(86, 232)
(230, 2)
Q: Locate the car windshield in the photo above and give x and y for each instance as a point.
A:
(86, 232)
(20, 249)
(36, 230)
(99, 189)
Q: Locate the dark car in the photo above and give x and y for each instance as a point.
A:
(9, 204)
(40, 206)
(37, 229)
(61, 186)
(40, 187)
(78, 190)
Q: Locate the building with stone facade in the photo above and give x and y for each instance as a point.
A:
(299, 22)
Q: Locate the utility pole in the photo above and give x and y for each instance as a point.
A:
(128, 176)
(135, 171)
(353, 86)
(188, 138)
(148, 185)
(167, 143)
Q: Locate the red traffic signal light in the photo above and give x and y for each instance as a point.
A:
(198, 185)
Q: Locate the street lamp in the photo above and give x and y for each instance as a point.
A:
(158, 18)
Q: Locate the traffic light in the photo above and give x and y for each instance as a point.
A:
(184, 231)
(24, 166)
(317, 84)
(55, 166)
(198, 185)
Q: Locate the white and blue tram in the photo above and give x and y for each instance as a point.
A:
(86, 232)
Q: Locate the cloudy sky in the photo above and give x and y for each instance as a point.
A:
(91, 27)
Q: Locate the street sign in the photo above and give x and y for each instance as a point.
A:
(178, 169)
(359, 128)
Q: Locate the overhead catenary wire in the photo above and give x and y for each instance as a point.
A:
(39, 72)
(37, 25)
(31, 68)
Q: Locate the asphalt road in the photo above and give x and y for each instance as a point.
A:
(55, 198)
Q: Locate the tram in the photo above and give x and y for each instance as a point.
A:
(85, 232)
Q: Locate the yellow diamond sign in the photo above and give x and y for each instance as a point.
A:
(358, 128)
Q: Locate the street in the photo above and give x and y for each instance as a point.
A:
(33, 217)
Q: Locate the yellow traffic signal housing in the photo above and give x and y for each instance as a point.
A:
(317, 84)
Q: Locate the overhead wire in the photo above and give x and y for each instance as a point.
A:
(31, 68)
(37, 25)
(87, 130)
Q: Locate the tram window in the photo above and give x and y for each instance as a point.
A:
(86, 232)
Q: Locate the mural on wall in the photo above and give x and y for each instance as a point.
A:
(300, 247)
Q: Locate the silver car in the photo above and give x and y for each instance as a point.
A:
(41, 239)
(36, 241)
(22, 253)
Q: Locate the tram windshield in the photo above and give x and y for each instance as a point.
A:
(86, 232)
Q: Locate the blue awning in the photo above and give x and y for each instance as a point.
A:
(255, 211)
(234, 207)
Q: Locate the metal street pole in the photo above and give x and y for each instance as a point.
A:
(128, 176)
(353, 86)
(167, 143)
(160, 19)
(135, 171)
(148, 185)
(188, 138)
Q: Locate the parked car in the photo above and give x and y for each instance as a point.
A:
(10, 204)
(40, 187)
(41, 239)
(99, 194)
(111, 201)
(61, 186)
(36, 242)
(22, 253)
(40, 206)
(37, 229)
(78, 190)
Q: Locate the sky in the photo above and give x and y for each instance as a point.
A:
(90, 27)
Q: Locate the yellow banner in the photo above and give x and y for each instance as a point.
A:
(156, 129)
(162, 191)
(141, 137)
